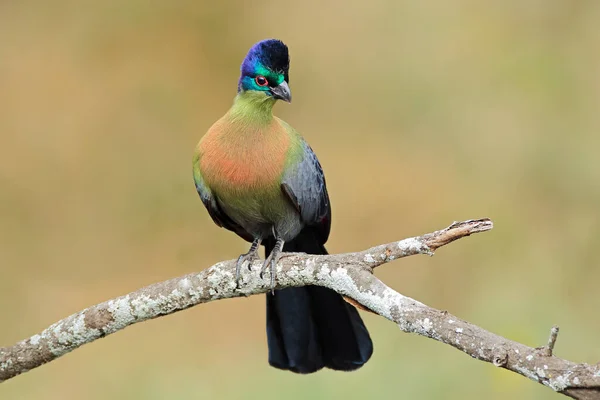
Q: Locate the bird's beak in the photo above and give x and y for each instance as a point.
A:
(282, 92)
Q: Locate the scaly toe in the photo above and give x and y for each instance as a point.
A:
(250, 257)
(270, 264)
(265, 266)
(251, 260)
(238, 267)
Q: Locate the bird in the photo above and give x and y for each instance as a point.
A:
(259, 178)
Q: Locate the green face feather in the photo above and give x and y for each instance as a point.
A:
(251, 82)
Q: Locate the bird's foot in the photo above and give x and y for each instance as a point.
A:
(250, 257)
(271, 262)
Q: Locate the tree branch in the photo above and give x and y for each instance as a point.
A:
(349, 274)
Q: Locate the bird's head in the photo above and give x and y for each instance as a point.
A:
(265, 70)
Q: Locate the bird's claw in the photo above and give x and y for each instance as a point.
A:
(270, 264)
(251, 256)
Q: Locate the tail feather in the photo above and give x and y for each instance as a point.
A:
(312, 327)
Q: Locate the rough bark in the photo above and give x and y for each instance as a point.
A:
(351, 275)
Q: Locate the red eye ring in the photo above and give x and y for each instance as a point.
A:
(261, 81)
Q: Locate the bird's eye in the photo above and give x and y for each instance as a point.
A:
(261, 80)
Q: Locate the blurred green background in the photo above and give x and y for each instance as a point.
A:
(421, 113)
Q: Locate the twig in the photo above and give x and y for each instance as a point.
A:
(551, 341)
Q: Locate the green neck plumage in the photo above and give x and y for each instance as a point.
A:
(252, 107)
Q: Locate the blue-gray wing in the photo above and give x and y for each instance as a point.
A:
(304, 184)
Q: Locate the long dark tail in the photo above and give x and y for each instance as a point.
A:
(312, 327)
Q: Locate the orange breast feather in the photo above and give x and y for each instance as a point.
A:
(240, 156)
